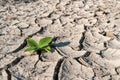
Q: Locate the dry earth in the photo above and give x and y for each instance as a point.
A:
(88, 39)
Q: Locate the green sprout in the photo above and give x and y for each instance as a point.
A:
(42, 45)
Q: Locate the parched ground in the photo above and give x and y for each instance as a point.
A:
(87, 43)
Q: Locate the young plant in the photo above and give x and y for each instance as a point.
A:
(42, 46)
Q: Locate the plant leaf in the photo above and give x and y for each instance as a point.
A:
(48, 49)
(32, 43)
(45, 41)
(30, 49)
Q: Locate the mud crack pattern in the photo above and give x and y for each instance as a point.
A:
(88, 39)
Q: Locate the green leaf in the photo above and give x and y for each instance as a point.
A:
(30, 49)
(45, 41)
(48, 48)
(32, 43)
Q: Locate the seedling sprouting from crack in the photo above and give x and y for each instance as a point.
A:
(42, 46)
(45, 45)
